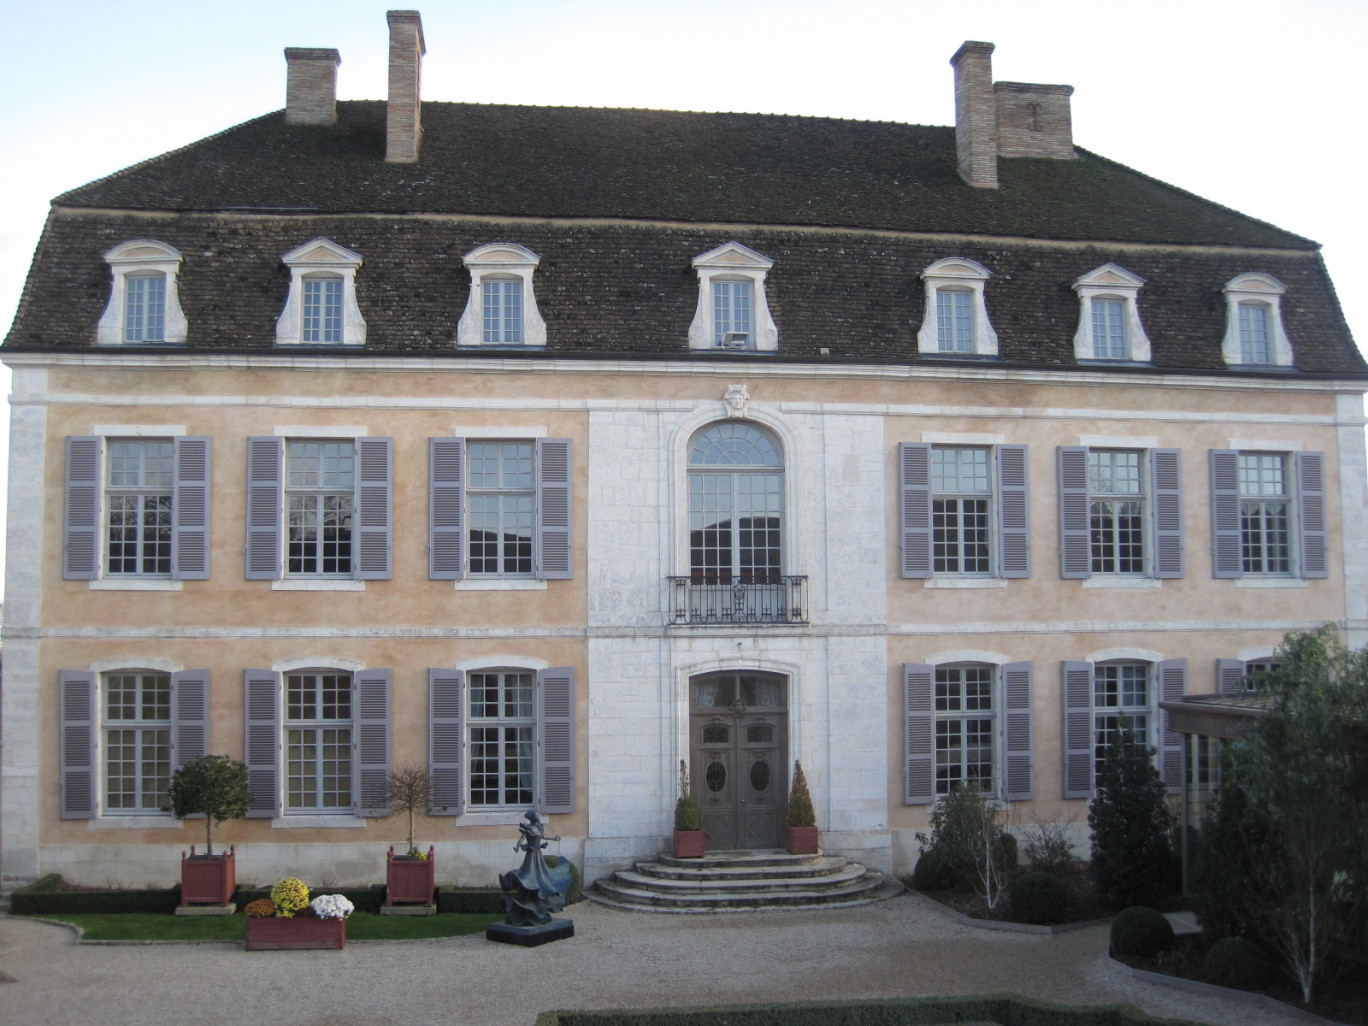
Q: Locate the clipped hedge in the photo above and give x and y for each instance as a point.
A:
(1039, 898)
(1142, 931)
(28, 902)
(1236, 962)
(468, 901)
(933, 872)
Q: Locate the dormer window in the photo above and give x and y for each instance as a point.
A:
(956, 318)
(1254, 332)
(321, 307)
(502, 307)
(732, 312)
(1109, 325)
(143, 302)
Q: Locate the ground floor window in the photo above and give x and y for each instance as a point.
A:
(1121, 704)
(965, 727)
(503, 735)
(318, 742)
(137, 741)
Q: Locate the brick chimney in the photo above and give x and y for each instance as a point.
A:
(311, 85)
(975, 114)
(403, 127)
(1034, 120)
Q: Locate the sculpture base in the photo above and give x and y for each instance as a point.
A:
(530, 936)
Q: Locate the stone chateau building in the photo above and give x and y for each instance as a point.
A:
(549, 447)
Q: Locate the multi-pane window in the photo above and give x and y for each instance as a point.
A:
(322, 310)
(1254, 337)
(1257, 674)
(318, 742)
(964, 727)
(1109, 329)
(1121, 707)
(503, 317)
(961, 490)
(732, 302)
(954, 321)
(1265, 514)
(1116, 511)
(319, 489)
(137, 741)
(138, 503)
(501, 503)
(736, 484)
(503, 734)
(144, 308)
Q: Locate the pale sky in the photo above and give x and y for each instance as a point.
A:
(1254, 104)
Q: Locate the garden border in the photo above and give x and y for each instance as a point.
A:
(1215, 990)
(1009, 927)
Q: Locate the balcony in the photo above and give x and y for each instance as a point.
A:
(716, 598)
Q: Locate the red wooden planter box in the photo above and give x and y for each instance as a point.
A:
(296, 934)
(409, 881)
(688, 844)
(802, 840)
(208, 879)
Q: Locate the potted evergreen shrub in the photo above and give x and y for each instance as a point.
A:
(411, 877)
(802, 820)
(215, 787)
(688, 833)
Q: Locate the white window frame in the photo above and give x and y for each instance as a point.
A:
(1149, 709)
(988, 495)
(1113, 282)
(474, 492)
(502, 722)
(1264, 290)
(321, 258)
(1287, 499)
(501, 261)
(142, 258)
(781, 470)
(142, 491)
(1144, 497)
(992, 784)
(318, 723)
(957, 275)
(139, 726)
(322, 491)
(733, 262)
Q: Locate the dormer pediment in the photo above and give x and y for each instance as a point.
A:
(142, 251)
(1254, 281)
(501, 254)
(733, 254)
(322, 253)
(957, 267)
(1109, 276)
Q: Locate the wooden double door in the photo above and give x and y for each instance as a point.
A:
(738, 729)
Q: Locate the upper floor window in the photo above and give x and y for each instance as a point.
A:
(501, 309)
(321, 308)
(138, 506)
(732, 311)
(956, 317)
(736, 505)
(144, 303)
(1120, 512)
(1241, 677)
(1109, 326)
(1267, 514)
(502, 507)
(1254, 333)
(319, 492)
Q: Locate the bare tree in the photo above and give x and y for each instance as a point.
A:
(409, 789)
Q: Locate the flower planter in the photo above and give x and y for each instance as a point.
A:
(688, 844)
(409, 881)
(208, 879)
(802, 840)
(296, 934)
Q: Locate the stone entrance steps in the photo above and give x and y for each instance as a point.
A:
(741, 881)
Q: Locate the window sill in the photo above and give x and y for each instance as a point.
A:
(1102, 581)
(134, 584)
(146, 821)
(964, 582)
(499, 584)
(1270, 582)
(340, 821)
(321, 584)
(497, 817)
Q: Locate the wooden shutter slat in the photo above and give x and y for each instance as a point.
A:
(914, 462)
(190, 715)
(81, 509)
(446, 548)
(374, 489)
(265, 467)
(446, 741)
(1167, 470)
(1014, 512)
(1311, 514)
(261, 713)
(372, 711)
(555, 509)
(919, 755)
(1172, 674)
(79, 776)
(1075, 521)
(190, 515)
(1230, 675)
(556, 695)
(1078, 728)
(1019, 748)
(1226, 558)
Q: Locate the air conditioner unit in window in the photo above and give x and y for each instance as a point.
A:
(735, 340)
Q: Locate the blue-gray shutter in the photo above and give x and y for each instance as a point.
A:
(1019, 768)
(81, 509)
(1172, 674)
(446, 542)
(919, 753)
(1078, 729)
(79, 772)
(446, 741)
(914, 462)
(1311, 514)
(1226, 556)
(555, 509)
(1230, 675)
(372, 711)
(261, 714)
(1014, 512)
(1167, 468)
(190, 517)
(265, 467)
(1075, 520)
(556, 696)
(373, 536)
(190, 715)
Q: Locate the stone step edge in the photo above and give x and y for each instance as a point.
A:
(748, 857)
(648, 881)
(890, 889)
(721, 897)
(827, 866)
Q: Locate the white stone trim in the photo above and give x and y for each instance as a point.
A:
(314, 821)
(1135, 655)
(479, 583)
(316, 584)
(733, 261)
(1264, 445)
(150, 257)
(968, 656)
(1270, 582)
(495, 261)
(957, 274)
(317, 663)
(964, 582)
(138, 430)
(1119, 441)
(961, 438)
(1110, 281)
(323, 258)
(100, 666)
(1105, 581)
(129, 583)
(313, 432)
(514, 432)
(500, 661)
(136, 821)
(1249, 655)
(1254, 287)
(1353, 515)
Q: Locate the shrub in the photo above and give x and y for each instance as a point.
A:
(1006, 852)
(800, 811)
(477, 901)
(977, 851)
(1236, 962)
(1040, 898)
(576, 892)
(262, 908)
(212, 786)
(1140, 930)
(71, 903)
(1047, 847)
(933, 872)
(290, 896)
(1132, 853)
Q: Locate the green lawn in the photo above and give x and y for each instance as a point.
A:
(360, 926)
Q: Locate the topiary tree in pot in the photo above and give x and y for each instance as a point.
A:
(409, 878)
(801, 819)
(215, 787)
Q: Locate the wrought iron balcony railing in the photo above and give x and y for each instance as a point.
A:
(719, 598)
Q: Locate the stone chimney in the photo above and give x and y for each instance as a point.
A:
(403, 126)
(975, 114)
(311, 85)
(1034, 120)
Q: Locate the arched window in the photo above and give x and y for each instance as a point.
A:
(736, 488)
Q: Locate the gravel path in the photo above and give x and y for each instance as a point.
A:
(901, 947)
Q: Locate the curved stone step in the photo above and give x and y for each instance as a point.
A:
(811, 866)
(880, 888)
(706, 880)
